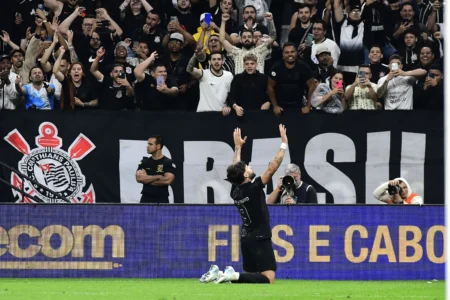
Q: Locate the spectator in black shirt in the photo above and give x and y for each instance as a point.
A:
(433, 89)
(151, 33)
(378, 69)
(249, 16)
(155, 91)
(176, 64)
(301, 35)
(408, 22)
(117, 91)
(133, 15)
(156, 173)
(287, 81)
(410, 51)
(249, 89)
(76, 91)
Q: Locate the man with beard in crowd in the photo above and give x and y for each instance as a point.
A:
(117, 91)
(324, 68)
(249, 17)
(215, 84)
(38, 94)
(302, 35)
(247, 45)
(214, 45)
(8, 93)
(151, 33)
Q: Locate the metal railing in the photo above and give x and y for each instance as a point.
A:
(21, 190)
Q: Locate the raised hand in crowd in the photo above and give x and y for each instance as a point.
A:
(29, 34)
(100, 52)
(5, 38)
(430, 82)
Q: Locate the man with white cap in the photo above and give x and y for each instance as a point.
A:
(324, 68)
(176, 64)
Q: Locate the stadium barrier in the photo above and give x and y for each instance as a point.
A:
(329, 242)
(96, 153)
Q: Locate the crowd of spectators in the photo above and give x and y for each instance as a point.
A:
(221, 55)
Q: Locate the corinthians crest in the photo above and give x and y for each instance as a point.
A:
(51, 166)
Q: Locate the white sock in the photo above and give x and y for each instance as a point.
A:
(235, 276)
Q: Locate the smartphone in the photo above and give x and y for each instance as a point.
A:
(160, 81)
(41, 7)
(17, 15)
(362, 76)
(173, 19)
(394, 67)
(49, 38)
(309, 39)
(208, 19)
(431, 75)
(338, 84)
(122, 75)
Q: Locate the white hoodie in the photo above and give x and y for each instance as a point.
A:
(382, 194)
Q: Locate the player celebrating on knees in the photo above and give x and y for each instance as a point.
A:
(249, 197)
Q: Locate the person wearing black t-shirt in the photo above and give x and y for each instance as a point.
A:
(117, 91)
(156, 173)
(378, 69)
(287, 81)
(155, 91)
(248, 195)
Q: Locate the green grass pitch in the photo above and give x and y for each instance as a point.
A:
(186, 289)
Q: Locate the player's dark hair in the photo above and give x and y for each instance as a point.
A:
(216, 52)
(235, 172)
(159, 139)
(395, 56)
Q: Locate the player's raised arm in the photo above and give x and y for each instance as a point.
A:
(276, 162)
(238, 143)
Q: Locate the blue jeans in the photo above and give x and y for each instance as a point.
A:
(388, 50)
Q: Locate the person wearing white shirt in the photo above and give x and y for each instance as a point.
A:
(319, 32)
(215, 83)
(397, 86)
(8, 92)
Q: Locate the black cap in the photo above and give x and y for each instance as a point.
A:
(355, 6)
(4, 56)
(11, 54)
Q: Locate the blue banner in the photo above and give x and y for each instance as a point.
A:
(181, 241)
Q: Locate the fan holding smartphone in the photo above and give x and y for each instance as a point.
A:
(362, 94)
